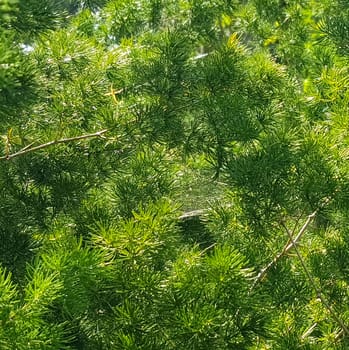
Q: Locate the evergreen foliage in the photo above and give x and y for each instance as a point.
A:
(174, 174)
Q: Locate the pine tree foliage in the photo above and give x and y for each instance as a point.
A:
(174, 174)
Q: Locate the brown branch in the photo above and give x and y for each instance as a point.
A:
(292, 244)
(192, 214)
(29, 149)
(292, 241)
(309, 331)
(289, 245)
(313, 284)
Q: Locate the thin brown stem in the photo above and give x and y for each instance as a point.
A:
(29, 149)
(313, 284)
(289, 245)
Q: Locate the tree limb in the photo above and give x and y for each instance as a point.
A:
(29, 149)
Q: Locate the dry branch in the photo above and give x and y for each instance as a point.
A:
(318, 290)
(28, 149)
(289, 245)
(292, 244)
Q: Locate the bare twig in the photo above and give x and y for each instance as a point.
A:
(289, 245)
(192, 214)
(292, 244)
(309, 331)
(29, 149)
(292, 241)
(207, 248)
(313, 284)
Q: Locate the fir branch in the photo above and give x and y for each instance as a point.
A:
(28, 149)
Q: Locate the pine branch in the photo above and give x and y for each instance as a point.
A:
(29, 149)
